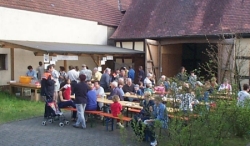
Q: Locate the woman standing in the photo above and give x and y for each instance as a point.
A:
(81, 90)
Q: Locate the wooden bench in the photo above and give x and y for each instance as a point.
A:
(182, 117)
(87, 112)
(132, 110)
(106, 115)
(110, 116)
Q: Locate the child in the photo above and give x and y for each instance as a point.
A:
(137, 90)
(243, 95)
(116, 108)
(66, 90)
(141, 86)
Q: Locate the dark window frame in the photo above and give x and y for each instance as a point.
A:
(3, 62)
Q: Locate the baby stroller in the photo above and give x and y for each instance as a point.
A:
(52, 113)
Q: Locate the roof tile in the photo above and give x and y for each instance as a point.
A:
(103, 11)
(173, 18)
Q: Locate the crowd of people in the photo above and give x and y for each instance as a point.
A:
(87, 85)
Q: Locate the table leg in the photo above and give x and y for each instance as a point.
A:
(21, 91)
(11, 90)
(127, 116)
(36, 95)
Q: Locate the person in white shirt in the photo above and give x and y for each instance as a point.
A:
(86, 72)
(243, 95)
(40, 70)
(55, 74)
(225, 86)
(147, 80)
(99, 92)
(73, 75)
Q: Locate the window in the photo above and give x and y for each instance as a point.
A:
(3, 61)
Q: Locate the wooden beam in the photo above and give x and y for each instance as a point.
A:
(188, 40)
(152, 42)
(99, 61)
(133, 45)
(12, 53)
(160, 59)
(65, 64)
(93, 57)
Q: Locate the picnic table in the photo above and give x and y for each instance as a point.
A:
(132, 104)
(22, 86)
(226, 96)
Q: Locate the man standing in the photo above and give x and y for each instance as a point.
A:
(40, 71)
(73, 75)
(55, 74)
(141, 74)
(97, 75)
(131, 73)
(105, 80)
(86, 72)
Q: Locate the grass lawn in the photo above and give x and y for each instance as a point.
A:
(236, 142)
(13, 108)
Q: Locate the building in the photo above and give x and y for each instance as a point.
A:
(175, 33)
(29, 29)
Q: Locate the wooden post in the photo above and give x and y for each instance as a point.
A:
(160, 60)
(99, 61)
(12, 62)
(65, 64)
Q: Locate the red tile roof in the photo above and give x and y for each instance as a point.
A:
(103, 11)
(174, 18)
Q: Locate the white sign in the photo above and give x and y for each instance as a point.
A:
(54, 58)
(65, 57)
(45, 57)
(102, 62)
(104, 58)
(45, 66)
(52, 62)
(109, 57)
(99, 68)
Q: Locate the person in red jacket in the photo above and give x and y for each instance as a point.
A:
(116, 108)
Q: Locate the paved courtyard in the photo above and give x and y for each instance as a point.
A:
(31, 132)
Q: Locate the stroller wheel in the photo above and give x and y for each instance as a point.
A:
(50, 120)
(44, 123)
(61, 124)
(66, 122)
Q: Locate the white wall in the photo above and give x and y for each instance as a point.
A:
(25, 58)
(32, 26)
(242, 48)
(129, 45)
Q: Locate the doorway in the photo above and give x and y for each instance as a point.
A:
(195, 55)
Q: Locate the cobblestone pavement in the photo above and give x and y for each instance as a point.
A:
(31, 132)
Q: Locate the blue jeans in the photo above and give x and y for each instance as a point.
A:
(80, 114)
(68, 103)
(206, 97)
